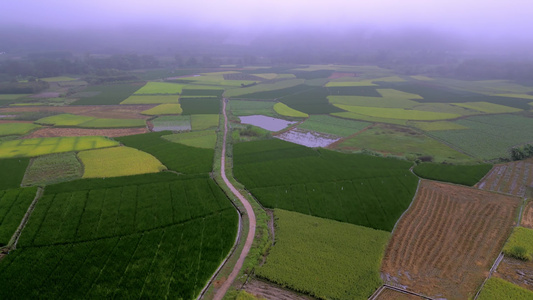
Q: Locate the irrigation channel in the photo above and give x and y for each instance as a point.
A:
(249, 212)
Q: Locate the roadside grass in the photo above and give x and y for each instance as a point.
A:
(52, 168)
(467, 175)
(324, 258)
(118, 161)
(41, 146)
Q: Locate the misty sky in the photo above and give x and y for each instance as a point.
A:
(490, 16)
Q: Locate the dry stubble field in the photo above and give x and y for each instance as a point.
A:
(445, 245)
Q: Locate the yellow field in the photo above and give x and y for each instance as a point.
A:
(118, 161)
(487, 107)
(164, 109)
(42, 146)
(284, 110)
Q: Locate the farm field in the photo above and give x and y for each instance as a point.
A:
(324, 258)
(308, 138)
(353, 188)
(310, 101)
(527, 216)
(520, 238)
(60, 132)
(467, 175)
(267, 123)
(510, 178)
(247, 108)
(164, 109)
(447, 241)
(117, 161)
(105, 94)
(389, 294)
(397, 113)
(488, 137)
(437, 125)
(402, 141)
(201, 139)
(12, 172)
(151, 99)
(176, 157)
(193, 106)
(267, 91)
(96, 111)
(516, 271)
(52, 168)
(155, 88)
(42, 146)
(69, 120)
(498, 289)
(284, 110)
(489, 108)
(204, 121)
(178, 123)
(134, 240)
(331, 125)
(13, 205)
(16, 128)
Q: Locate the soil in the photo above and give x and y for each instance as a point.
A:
(270, 291)
(527, 216)
(97, 111)
(388, 294)
(445, 245)
(511, 178)
(57, 132)
(339, 75)
(516, 271)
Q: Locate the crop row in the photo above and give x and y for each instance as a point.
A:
(13, 205)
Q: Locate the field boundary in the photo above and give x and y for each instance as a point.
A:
(390, 287)
(12, 245)
(409, 207)
(492, 270)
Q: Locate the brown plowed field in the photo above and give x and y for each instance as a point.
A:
(511, 178)
(53, 132)
(527, 216)
(445, 245)
(388, 294)
(98, 111)
(516, 271)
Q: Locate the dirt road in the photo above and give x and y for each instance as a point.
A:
(249, 211)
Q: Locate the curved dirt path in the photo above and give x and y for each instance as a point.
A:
(249, 211)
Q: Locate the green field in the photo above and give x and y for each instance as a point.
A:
(201, 92)
(489, 108)
(12, 172)
(499, 289)
(268, 91)
(151, 99)
(397, 113)
(53, 168)
(42, 146)
(324, 258)
(337, 83)
(10, 97)
(193, 106)
(201, 139)
(155, 88)
(164, 109)
(58, 79)
(143, 240)
(437, 125)
(13, 205)
(69, 120)
(403, 141)
(520, 238)
(248, 108)
(201, 122)
(331, 125)
(311, 101)
(284, 110)
(371, 101)
(177, 157)
(354, 188)
(105, 94)
(488, 137)
(118, 161)
(461, 174)
(16, 128)
(354, 116)
(180, 123)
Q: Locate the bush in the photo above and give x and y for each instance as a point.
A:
(519, 252)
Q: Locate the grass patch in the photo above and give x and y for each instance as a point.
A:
(461, 174)
(324, 258)
(154, 88)
(43, 146)
(331, 125)
(164, 109)
(499, 289)
(177, 157)
(489, 108)
(53, 168)
(284, 110)
(13, 205)
(200, 139)
(193, 106)
(520, 244)
(204, 121)
(118, 161)
(151, 99)
(16, 128)
(106, 94)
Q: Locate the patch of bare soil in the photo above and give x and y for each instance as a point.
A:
(271, 291)
(57, 132)
(97, 111)
(388, 294)
(511, 178)
(527, 216)
(516, 271)
(339, 75)
(445, 245)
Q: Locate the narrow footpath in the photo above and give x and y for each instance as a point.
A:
(249, 212)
